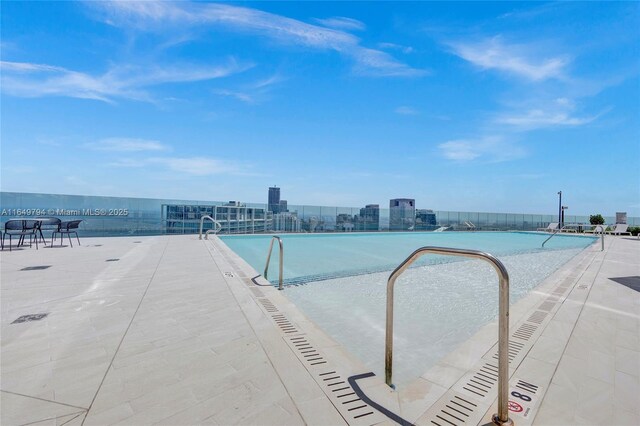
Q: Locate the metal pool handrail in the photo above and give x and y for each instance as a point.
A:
(550, 236)
(266, 267)
(595, 229)
(214, 231)
(502, 417)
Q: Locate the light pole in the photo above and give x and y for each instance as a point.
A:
(560, 209)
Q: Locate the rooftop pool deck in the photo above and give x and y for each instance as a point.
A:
(173, 330)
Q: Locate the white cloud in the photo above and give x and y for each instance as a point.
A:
(513, 59)
(126, 145)
(536, 118)
(459, 150)
(406, 110)
(558, 112)
(267, 82)
(156, 16)
(128, 163)
(252, 93)
(376, 63)
(241, 96)
(38, 80)
(194, 166)
(342, 23)
(491, 149)
(198, 166)
(393, 46)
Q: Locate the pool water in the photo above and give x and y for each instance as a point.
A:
(322, 256)
(341, 286)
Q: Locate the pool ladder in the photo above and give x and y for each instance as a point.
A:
(266, 267)
(502, 417)
(218, 227)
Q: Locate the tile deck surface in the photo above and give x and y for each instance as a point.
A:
(171, 330)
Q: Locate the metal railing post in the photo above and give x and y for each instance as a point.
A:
(601, 235)
(502, 417)
(266, 267)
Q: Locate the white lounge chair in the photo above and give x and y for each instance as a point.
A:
(553, 226)
(596, 229)
(619, 229)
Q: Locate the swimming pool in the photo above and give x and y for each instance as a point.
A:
(439, 304)
(314, 257)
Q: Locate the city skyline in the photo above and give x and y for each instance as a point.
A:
(491, 107)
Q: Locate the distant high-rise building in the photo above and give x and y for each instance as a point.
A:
(402, 214)
(368, 219)
(274, 199)
(425, 220)
(283, 206)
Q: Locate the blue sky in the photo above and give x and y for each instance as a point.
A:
(462, 106)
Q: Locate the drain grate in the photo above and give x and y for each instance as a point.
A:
(29, 317)
(36, 268)
(456, 410)
(112, 260)
(284, 324)
(525, 331)
(311, 355)
(268, 305)
(482, 381)
(537, 317)
(347, 398)
(514, 350)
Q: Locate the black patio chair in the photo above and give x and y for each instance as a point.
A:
(20, 228)
(69, 227)
(47, 223)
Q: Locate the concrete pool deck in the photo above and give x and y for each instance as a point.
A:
(172, 330)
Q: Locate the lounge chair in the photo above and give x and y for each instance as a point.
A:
(597, 229)
(569, 228)
(553, 226)
(619, 229)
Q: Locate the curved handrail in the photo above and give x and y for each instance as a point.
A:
(550, 236)
(266, 267)
(602, 228)
(502, 417)
(210, 231)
